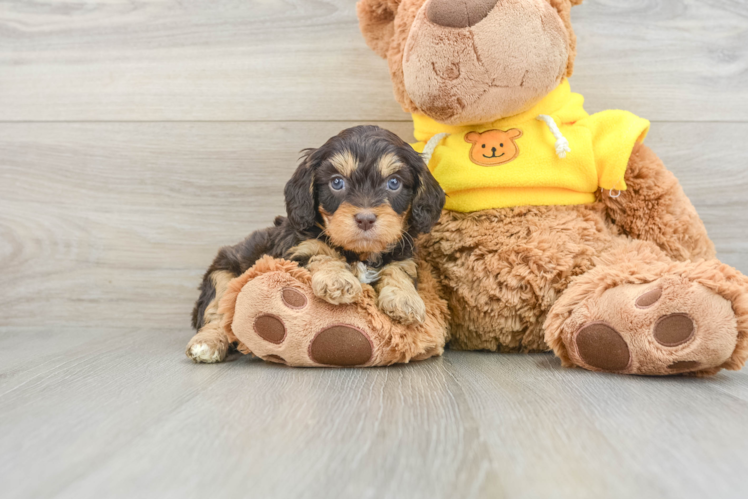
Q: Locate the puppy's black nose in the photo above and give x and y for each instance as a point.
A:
(365, 220)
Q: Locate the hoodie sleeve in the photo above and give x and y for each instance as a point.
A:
(614, 135)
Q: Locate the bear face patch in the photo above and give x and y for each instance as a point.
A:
(493, 147)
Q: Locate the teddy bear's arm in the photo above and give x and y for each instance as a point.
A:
(655, 208)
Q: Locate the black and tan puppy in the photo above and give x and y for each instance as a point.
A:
(355, 207)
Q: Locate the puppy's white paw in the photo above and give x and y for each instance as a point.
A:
(404, 306)
(203, 352)
(336, 287)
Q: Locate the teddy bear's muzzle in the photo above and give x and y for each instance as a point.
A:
(475, 61)
(459, 13)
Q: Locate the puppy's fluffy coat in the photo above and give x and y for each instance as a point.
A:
(354, 208)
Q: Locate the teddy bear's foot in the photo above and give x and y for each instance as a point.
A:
(678, 323)
(273, 312)
(289, 325)
(279, 319)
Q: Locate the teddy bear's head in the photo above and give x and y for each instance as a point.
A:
(471, 61)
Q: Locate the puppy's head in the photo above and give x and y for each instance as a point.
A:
(366, 187)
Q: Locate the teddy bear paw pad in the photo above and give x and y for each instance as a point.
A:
(669, 327)
(601, 346)
(341, 345)
(674, 329)
(270, 328)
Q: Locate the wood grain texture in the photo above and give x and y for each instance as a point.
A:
(138, 137)
(305, 60)
(110, 223)
(125, 414)
(121, 413)
(618, 436)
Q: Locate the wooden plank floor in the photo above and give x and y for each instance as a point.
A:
(138, 137)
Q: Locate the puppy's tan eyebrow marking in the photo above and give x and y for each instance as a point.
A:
(389, 164)
(344, 163)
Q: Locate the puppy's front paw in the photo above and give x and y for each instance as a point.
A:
(336, 286)
(404, 306)
(206, 351)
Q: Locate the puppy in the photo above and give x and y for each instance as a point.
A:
(354, 208)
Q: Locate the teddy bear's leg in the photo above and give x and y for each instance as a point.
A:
(211, 344)
(273, 312)
(655, 208)
(641, 313)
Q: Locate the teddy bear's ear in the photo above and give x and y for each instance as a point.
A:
(563, 7)
(377, 21)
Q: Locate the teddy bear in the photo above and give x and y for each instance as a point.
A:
(562, 230)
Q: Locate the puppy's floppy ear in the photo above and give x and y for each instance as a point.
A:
(376, 19)
(429, 199)
(299, 192)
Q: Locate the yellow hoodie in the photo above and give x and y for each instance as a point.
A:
(522, 160)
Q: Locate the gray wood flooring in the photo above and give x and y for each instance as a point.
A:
(138, 137)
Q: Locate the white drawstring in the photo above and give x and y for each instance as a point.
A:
(562, 145)
(428, 150)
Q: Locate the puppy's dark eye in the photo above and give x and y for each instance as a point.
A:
(337, 183)
(393, 184)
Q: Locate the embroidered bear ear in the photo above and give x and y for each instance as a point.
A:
(514, 133)
(472, 137)
(376, 19)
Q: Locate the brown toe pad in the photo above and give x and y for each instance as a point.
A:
(293, 298)
(648, 299)
(674, 329)
(341, 345)
(601, 346)
(270, 328)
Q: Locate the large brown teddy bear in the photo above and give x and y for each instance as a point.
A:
(562, 230)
